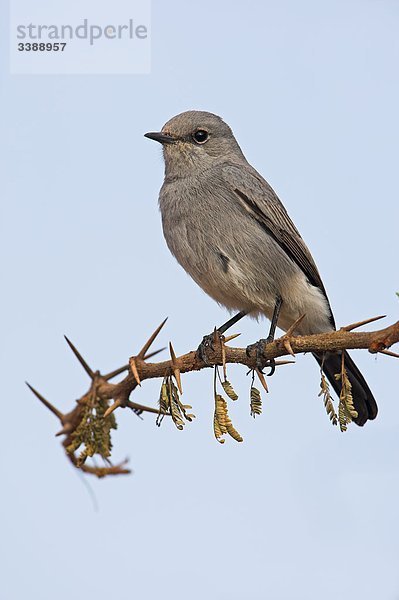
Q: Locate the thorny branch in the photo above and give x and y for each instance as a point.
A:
(87, 427)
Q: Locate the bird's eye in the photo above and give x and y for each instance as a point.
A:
(201, 136)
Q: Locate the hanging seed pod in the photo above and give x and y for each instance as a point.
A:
(222, 423)
(228, 388)
(328, 403)
(255, 402)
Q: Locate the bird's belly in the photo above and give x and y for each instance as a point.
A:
(221, 278)
(248, 277)
(236, 290)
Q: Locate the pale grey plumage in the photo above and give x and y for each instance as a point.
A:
(227, 228)
(204, 217)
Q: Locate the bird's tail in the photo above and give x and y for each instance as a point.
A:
(363, 399)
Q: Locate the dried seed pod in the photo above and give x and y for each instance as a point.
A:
(217, 430)
(328, 403)
(169, 403)
(255, 402)
(228, 388)
(163, 403)
(222, 423)
(346, 408)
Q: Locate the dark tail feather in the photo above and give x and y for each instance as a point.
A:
(363, 399)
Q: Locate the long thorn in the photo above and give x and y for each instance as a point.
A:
(231, 337)
(133, 367)
(176, 373)
(279, 363)
(360, 323)
(80, 358)
(262, 379)
(294, 326)
(52, 408)
(116, 372)
(175, 368)
(151, 354)
(111, 409)
(65, 430)
(215, 336)
(389, 353)
(148, 343)
(150, 409)
(172, 354)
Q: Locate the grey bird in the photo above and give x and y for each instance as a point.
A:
(227, 228)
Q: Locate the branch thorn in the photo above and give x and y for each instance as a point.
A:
(231, 337)
(80, 358)
(142, 407)
(360, 323)
(216, 336)
(116, 372)
(389, 353)
(175, 368)
(262, 379)
(111, 409)
(46, 403)
(287, 346)
(150, 340)
(135, 372)
(294, 326)
(151, 354)
(65, 430)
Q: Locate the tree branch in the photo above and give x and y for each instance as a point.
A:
(89, 424)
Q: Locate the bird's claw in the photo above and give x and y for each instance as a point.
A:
(261, 361)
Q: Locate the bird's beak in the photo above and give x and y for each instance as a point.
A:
(160, 137)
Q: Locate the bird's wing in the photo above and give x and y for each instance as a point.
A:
(262, 204)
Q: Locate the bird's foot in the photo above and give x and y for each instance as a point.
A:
(208, 345)
(261, 361)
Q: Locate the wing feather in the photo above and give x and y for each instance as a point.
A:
(263, 205)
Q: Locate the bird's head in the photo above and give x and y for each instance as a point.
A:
(194, 141)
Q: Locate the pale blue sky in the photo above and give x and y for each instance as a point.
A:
(298, 510)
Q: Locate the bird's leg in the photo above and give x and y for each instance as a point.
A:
(223, 328)
(208, 341)
(259, 346)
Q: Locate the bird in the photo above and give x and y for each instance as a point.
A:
(229, 231)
